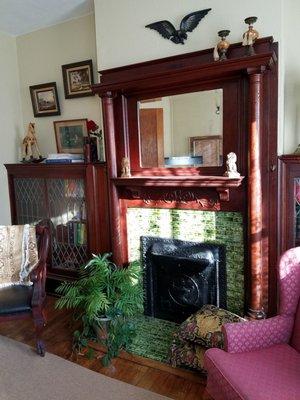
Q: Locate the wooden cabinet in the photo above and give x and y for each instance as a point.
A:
(73, 201)
(289, 201)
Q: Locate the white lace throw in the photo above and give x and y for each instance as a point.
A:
(18, 254)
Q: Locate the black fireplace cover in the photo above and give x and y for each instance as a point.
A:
(180, 277)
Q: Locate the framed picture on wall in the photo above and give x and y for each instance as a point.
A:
(78, 78)
(44, 99)
(209, 148)
(70, 135)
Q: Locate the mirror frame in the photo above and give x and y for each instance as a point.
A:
(186, 136)
(231, 126)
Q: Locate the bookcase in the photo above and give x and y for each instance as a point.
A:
(290, 201)
(72, 199)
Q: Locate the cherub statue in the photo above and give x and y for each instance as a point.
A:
(231, 166)
(125, 173)
(29, 144)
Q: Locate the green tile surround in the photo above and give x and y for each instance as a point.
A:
(153, 338)
(219, 227)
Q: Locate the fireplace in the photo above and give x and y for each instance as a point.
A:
(223, 228)
(181, 276)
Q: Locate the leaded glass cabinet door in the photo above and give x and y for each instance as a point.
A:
(297, 211)
(67, 208)
(290, 202)
(62, 203)
(30, 200)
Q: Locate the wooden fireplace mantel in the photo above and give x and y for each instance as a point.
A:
(250, 97)
(221, 184)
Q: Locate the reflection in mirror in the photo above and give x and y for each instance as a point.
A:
(182, 130)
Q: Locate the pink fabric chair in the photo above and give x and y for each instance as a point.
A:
(261, 360)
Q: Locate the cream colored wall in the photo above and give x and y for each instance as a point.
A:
(40, 57)
(10, 117)
(291, 76)
(123, 39)
(194, 114)
(128, 41)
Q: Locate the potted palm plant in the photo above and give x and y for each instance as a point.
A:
(104, 298)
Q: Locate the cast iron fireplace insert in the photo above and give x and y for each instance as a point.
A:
(181, 276)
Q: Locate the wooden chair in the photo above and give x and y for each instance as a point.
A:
(19, 301)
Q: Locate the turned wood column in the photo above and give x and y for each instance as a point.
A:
(255, 209)
(110, 148)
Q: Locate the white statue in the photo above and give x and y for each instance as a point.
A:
(231, 166)
(125, 172)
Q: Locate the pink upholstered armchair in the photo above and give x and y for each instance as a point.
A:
(261, 360)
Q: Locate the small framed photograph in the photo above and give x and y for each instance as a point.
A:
(78, 78)
(44, 99)
(70, 135)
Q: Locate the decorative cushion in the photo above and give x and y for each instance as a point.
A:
(268, 374)
(15, 299)
(204, 327)
(187, 354)
(18, 254)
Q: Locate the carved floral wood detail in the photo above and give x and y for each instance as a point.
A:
(157, 197)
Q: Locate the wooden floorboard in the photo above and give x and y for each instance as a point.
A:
(150, 376)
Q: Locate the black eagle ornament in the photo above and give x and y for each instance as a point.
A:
(188, 24)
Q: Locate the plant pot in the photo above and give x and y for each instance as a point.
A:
(101, 328)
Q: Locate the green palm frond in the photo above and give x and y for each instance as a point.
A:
(102, 285)
(104, 289)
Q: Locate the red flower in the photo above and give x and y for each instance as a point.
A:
(92, 126)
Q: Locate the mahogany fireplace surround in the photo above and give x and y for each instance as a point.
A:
(249, 86)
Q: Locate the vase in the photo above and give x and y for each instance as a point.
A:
(87, 150)
(101, 328)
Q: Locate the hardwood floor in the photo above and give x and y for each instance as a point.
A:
(58, 337)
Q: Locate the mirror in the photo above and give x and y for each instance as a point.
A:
(183, 130)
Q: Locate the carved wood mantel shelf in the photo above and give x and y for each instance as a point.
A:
(221, 184)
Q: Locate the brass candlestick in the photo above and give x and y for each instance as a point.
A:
(250, 36)
(222, 46)
(297, 151)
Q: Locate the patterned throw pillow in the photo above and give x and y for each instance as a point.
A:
(187, 354)
(204, 327)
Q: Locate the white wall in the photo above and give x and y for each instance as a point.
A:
(122, 39)
(194, 114)
(40, 56)
(291, 75)
(10, 117)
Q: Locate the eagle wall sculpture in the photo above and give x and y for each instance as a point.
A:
(188, 24)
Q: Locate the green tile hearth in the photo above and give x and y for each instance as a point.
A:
(209, 226)
(153, 338)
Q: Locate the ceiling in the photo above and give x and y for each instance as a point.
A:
(18, 17)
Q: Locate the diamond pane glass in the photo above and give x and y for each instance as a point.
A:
(68, 214)
(297, 209)
(30, 200)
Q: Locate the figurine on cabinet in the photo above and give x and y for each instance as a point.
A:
(125, 173)
(231, 166)
(29, 146)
